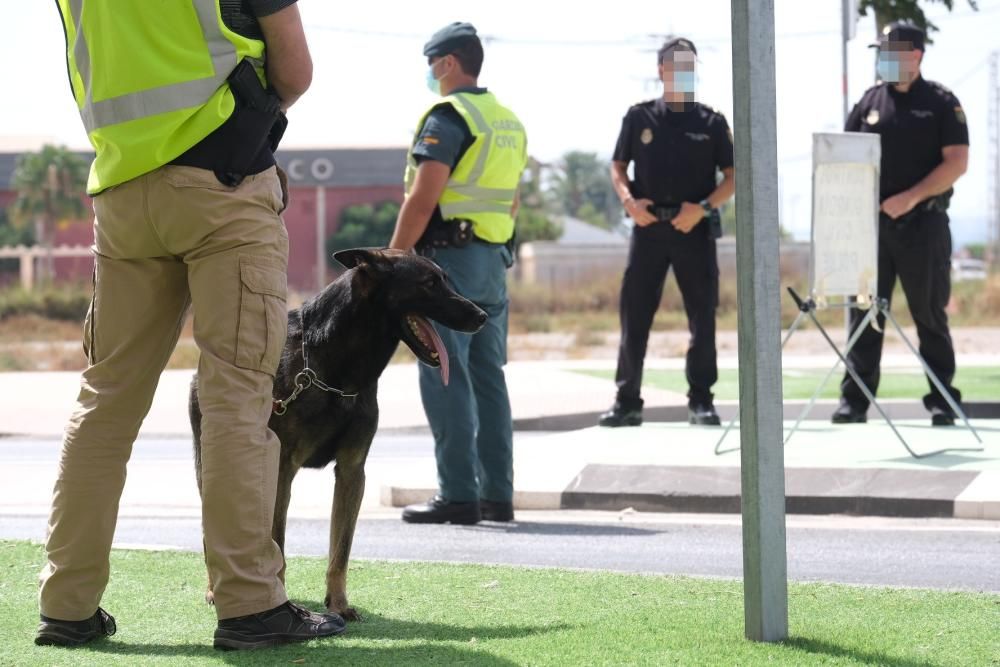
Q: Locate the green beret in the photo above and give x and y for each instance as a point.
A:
(448, 38)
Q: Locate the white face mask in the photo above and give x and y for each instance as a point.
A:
(433, 83)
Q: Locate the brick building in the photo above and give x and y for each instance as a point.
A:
(320, 179)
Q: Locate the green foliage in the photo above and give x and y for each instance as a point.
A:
(581, 187)
(68, 302)
(363, 226)
(50, 185)
(11, 235)
(534, 219)
(976, 250)
(887, 11)
(536, 225)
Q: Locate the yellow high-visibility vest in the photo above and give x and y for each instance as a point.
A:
(149, 79)
(484, 183)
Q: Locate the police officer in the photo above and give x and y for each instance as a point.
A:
(187, 199)
(677, 146)
(461, 199)
(925, 149)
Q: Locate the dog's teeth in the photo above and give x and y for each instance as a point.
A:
(434, 355)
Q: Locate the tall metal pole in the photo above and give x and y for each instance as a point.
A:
(320, 237)
(765, 586)
(845, 36)
(993, 171)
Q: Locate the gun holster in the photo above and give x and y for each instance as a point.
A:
(258, 119)
(668, 213)
(442, 233)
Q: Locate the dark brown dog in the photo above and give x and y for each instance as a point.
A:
(352, 328)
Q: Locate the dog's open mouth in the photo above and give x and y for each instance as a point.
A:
(420, 336)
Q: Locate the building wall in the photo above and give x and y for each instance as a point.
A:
(299, 217)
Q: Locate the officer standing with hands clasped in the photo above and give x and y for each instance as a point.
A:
(462, 176)
(677, 147)
(925, 149)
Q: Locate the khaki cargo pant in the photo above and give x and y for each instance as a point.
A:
(165, 241)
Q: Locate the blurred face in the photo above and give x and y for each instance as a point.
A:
(898, 62)
(677, 71)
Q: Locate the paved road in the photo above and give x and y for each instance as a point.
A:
(923, 553)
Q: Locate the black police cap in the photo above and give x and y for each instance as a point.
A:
(902, 31)
(448, 38)
(676, 44)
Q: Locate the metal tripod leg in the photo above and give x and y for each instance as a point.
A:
(864, 389)
(855, 335)
(732, 422)
(938, 384)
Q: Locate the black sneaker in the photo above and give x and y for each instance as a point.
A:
(845, 414)
(703, 414)
(619, 415)
(53, 632)
(285, 623)
(440, 510)
(492, 510)
(942, 416)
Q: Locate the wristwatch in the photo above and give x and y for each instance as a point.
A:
(706, 206)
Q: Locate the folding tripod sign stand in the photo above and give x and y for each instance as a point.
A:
(844, 263)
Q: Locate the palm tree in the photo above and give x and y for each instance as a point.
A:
(50, 185)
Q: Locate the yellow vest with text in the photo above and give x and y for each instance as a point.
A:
(484, 183)
(149, 79)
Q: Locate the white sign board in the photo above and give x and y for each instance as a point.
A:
(844, 257)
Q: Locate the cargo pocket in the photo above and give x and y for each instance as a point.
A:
(88, 321)
(263, 315)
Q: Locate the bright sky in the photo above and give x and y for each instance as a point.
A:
(569, 73)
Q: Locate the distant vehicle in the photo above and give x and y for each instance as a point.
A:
(967, 268)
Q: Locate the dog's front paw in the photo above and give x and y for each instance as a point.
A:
(342, 609)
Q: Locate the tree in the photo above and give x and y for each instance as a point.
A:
(534, 222)
(50, 186)
(582, 188)
(887, 11)
(363, 226)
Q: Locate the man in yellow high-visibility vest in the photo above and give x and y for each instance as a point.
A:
(187, 201)
(463, 171)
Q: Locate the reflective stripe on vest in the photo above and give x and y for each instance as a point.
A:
(471, 192)
(154, 101)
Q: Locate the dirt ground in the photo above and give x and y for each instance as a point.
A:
(35, 344)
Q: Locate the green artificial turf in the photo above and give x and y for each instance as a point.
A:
(439, 614)
(976, 383)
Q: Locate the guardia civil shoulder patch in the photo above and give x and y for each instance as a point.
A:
(960, 115)
(646, 136)
(872, 118)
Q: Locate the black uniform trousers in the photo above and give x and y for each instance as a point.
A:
(918, 251)
(652, 251)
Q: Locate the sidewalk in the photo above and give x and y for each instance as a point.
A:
(661, 466)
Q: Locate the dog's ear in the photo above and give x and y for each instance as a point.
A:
(370, 258)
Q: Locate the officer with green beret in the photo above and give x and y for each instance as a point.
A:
(462, 175)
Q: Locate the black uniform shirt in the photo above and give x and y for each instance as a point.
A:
(914, 127)
(445, 136)
(676, 153)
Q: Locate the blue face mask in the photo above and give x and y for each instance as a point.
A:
(888, 68)
(433, 84)
(684, 82)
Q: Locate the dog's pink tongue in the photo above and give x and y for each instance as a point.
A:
(438, 344)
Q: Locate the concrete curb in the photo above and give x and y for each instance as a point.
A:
(821, 411)
(701, 489)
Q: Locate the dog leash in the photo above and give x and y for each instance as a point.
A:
(306, 378)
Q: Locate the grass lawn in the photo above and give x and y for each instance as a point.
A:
(436, 614)
(976, 383)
